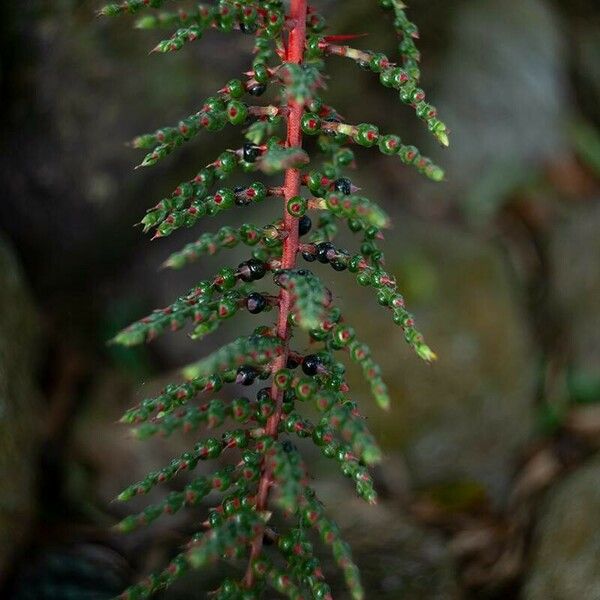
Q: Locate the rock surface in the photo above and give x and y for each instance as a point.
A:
(397, 558)
(466, 415)
(20, 408)
(567, 540)
(506, 105)
(575, 254)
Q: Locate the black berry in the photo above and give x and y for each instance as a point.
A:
(246, 375)
(257, 268)
(292, 362)
(304, 225)
(338, 265)
(340, 262)
(258, 89)
(311, 364)
(247, 27)
(268, 540)
(256, 303)
(309, 256)
(263, 394)
(245, 272)
(322, 250)
(343, 185)
(241, 199)
(250, 152)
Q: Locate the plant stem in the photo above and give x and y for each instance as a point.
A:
(291, 188)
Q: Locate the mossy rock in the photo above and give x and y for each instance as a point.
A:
(566, 544)
(20, 408)
(465, 416)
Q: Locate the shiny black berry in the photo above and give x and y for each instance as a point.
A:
(309, 256)
(322, 250)
(240, 197)
(292, 362)
(311, 364)
(251, 152)
(248, 27)
(343, 185)
(256, 303)
(258, 89)
(257, 268)
(268, 540)
(246, 375)
(338, 265)
(304, 225)
(245, 272)
(263, 394)
(340, 262)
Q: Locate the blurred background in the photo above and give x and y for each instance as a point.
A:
(491, 485)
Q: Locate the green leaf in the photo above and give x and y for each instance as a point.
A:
(330, 534)
(261, 130)
(204, 450)
(344, 418)
(359, 208)
(129, 6)
(407, 33)
(210, 244)
(233, 533)
(165, 19)
(282, 583)
(310, 298)
(196, 304)
(191, 495)
(171, 397)
(158, 581)
(289, 475)
(277, 159)
(254, 350)
(301, 81)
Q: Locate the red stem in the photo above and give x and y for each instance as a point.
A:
(291, 188)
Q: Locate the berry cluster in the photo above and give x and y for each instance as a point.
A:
(326, 252)
(265, 471)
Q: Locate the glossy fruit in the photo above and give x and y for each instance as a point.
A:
(343, 185)
(304, 225)
(258, 89)
(311, 364)
(250, 152)
(256, 303)
(323, 251)
(246, 375)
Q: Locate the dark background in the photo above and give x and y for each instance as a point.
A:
(491, 488)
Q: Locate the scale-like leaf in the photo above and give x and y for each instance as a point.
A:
(310, 298)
